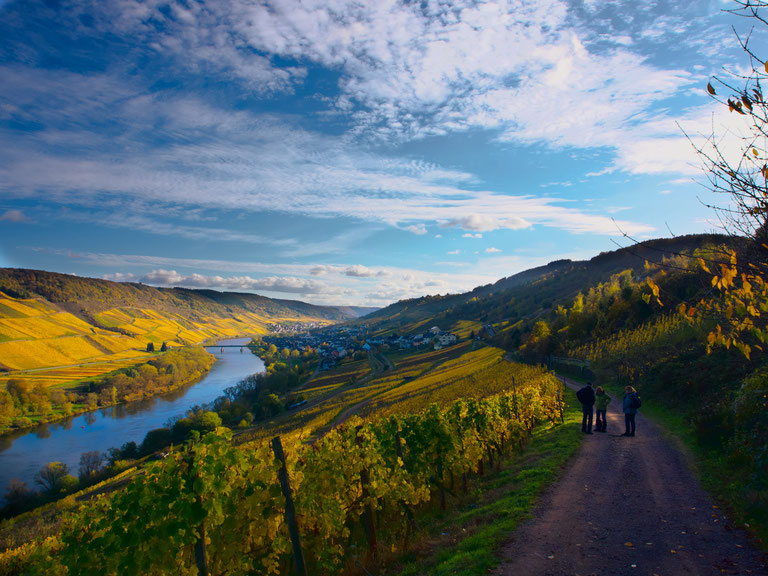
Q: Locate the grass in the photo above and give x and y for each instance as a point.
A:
(465, 540)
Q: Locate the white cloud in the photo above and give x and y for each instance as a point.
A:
(468, 235)
(255, 164)
(485, 223)
(119, 277)
(407, 69)
(359, 271)
(287, 284)
(14, 216)
(454, 252)
(418, 229)
(492, 250)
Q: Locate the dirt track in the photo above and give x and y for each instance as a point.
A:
(628, 506)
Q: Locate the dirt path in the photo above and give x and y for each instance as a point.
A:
(627, 506)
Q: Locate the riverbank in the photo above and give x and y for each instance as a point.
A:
(24, 453)
(179, 366)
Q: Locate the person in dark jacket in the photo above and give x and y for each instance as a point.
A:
(601, 406)
(587, 398)
(629, 407)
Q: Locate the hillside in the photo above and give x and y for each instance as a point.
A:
(531, 292)
(90, 296)
(67, 328)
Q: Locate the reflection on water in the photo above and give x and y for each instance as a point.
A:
(23, 453)
(43, 431)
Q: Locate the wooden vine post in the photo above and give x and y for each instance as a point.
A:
(201, 558)
(201, 554)
(560, 407)
(290, 510)
(408, 511)
(370, 527)
(514, 398)
(440, 479)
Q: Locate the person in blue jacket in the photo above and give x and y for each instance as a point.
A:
(630, 407)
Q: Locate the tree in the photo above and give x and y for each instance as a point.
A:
(51, 476)
(155, 440)
(17, 496)
(151, 347)
(128, 451)
(164, 347)
(90, 463)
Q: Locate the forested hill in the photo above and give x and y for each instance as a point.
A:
(533, 291)
(86, 297)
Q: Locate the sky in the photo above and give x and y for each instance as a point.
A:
(351, 153)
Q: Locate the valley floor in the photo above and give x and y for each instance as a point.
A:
(628, 506)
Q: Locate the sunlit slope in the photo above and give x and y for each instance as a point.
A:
(50, 321)
(416, 380)
(528, 293)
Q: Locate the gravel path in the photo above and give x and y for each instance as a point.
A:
(628, 506)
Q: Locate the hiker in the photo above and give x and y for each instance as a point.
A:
(587, 398)
(601, 405)
(630, 407)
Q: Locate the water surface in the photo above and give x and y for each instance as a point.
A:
(24, 453)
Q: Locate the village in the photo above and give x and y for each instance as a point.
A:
(335, 343)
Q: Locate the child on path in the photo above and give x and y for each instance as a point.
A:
(601, 405)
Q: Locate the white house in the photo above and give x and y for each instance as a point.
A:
(446, 339)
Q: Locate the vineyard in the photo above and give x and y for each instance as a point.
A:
(49, 347)
(358, 490)
(660, 332)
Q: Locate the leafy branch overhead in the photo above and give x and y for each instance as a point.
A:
(739, 281)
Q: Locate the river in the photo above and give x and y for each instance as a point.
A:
(24, 453)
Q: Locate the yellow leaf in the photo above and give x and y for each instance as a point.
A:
(754, 151)
(628, 544)
(710, 89)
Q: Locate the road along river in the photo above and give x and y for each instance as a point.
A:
(24, 453)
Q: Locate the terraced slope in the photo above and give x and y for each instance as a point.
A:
(59, 329)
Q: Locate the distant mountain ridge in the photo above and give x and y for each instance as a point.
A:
(86, 297)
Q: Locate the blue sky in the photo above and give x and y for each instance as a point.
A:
(344, 152)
